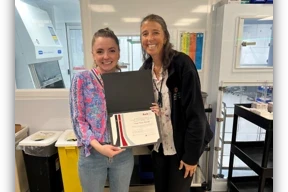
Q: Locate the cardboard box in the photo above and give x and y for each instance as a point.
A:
(18, 127)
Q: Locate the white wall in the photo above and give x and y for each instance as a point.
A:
(39, 115)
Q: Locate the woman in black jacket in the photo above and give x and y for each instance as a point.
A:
(183, 123)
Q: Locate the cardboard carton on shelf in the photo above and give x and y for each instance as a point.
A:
(18, 127)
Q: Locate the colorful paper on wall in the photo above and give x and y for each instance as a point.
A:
(198, 56)
(184, 43)
(192, 48)
(192, 45)
(187, 43)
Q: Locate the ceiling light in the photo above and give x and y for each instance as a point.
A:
(188, 20)
(262, 16)
(185, 21)
(200, 9)
(131, 20)
(102, 8)
(181, 24)
(266, 18)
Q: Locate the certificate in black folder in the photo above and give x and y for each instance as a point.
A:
(129, 96)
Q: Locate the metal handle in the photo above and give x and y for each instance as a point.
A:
(244, 43)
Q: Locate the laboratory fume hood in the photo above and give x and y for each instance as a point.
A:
(37, 49)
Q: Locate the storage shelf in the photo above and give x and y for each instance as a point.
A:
(257, 155)
(249, 184)
(252, 117)
(225, 142)
(251, 153)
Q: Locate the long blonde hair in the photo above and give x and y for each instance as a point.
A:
(106, 32)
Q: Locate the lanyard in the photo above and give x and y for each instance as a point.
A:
(160, 102)
(98, 77)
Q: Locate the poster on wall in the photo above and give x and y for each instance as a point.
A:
(192, 45)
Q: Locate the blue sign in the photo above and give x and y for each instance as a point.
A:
(40, 52)
(59, 51)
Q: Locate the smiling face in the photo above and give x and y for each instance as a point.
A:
(106, 54)
(152, 38)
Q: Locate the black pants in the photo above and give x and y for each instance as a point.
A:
(167, 176)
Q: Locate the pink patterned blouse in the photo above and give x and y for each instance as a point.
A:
(88, 109)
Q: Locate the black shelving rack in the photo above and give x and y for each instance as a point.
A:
(258, 155)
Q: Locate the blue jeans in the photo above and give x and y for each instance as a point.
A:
(94, 169)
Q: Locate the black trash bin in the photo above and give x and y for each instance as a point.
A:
(42, 161)
(146, 167)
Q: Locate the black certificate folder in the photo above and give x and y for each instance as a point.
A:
(129, 96)
(128, 91)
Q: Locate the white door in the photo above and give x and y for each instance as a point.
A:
(241, 73)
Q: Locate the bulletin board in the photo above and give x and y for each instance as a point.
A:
(192, 43)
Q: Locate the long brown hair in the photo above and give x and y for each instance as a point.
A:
(168, 52)
(106, 32)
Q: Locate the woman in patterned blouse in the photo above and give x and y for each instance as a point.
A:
(98, 159)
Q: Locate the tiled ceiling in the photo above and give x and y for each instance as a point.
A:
(171, 10)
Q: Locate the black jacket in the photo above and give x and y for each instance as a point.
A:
(191, 130)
